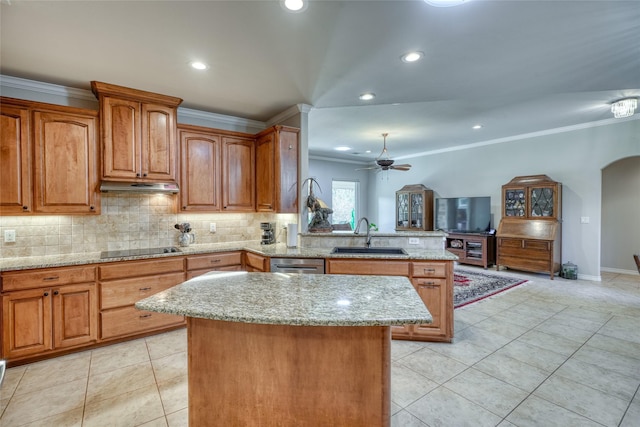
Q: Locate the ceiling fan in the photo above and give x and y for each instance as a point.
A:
(384, 162)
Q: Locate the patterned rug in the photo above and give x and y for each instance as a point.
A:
(473, 285)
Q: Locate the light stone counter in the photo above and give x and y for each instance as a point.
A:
(293, 299)
(275, 250)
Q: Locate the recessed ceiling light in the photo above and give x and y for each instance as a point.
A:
(199, 65)
(294, 5)
(342, 148)
(444, 3)
(477, 127)
(412, 56)
(367, 96)
(368, 151)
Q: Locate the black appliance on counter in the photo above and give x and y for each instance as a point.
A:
(268, 233)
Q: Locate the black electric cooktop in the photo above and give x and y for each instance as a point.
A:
(138, 252)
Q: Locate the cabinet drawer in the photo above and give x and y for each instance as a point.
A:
(362, 266)
(528, 264)
(195, 273)
(124, 270)
(123, 292)
(539, 245)
(129, 321)
(429, 269)
(429, 282)
(214, 261)
(47, 277)
(510, 243)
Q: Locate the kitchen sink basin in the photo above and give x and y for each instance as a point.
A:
(368, 251)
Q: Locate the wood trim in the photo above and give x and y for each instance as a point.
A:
(100, 89)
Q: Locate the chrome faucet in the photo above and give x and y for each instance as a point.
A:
(368, 229)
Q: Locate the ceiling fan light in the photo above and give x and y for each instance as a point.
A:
(294, 5)
(412, 56)
(342, 148)
(444, 3)
(367, 96)
(624, 108)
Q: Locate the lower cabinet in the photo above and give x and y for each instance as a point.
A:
(225, 261)
(433, 281)
(124, 283)
(39, 320)
(255, 262)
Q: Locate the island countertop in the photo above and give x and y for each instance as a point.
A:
(293, 299)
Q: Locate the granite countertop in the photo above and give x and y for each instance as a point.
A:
(294, 299)
(275, 250)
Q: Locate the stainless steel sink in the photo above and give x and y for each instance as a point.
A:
(368, 251)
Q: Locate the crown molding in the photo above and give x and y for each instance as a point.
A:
(221, 118)
(47, 88)
(334, 160)
(288, 113)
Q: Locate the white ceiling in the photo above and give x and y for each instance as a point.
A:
(514, 66)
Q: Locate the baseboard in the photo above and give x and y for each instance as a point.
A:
(589, 277)
(618, 270)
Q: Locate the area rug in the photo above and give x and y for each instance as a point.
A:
(470, 286)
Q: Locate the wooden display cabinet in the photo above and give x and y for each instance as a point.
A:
(529, 236)
(414, 208)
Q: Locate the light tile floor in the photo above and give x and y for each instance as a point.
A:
(547, 353)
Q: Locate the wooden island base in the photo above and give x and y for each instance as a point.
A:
(282, 375)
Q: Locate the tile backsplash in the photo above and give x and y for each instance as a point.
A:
(129, 221)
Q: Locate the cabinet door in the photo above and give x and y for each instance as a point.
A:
(432, 293)
(66, 178)
(15, 160)
(26, 323)
(238, 177)
(542, 202)
(158, 140)
(200, 172)
(287, 159)
(266, 173)
(75, 320)
(121, 138)
(402, 211)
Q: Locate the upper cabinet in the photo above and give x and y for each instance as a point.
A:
(139, 136)
(238, 174)
(277, 170)
(15, 158)
(48, 159)
(532, 197)
(414, 208)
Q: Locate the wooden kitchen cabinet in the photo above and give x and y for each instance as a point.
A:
(48, 319)
(238, 174)
(139, 135)
(124, 283)
(48, 159)
(200, 173)
(255, 262)
(15, 160)
(277, 170)
(433, 280)
(201, 264)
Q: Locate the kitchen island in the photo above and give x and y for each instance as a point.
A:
(290, 350)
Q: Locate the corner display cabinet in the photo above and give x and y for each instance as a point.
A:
(414, 208)
(529, 235)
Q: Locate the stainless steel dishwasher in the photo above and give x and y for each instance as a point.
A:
(297, 265)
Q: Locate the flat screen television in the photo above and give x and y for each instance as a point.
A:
(463, 214)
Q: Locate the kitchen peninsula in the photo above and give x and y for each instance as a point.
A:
(284, 350)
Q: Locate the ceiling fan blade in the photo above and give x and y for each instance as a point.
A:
(370, 168)
(404, 167)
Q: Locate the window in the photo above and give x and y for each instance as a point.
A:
(344, 202)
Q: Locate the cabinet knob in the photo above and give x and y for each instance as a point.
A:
(138, 175)
(92, 208)
(46, 294)
(144, 174)
(184, 208)
(56, 292)
(24, 208)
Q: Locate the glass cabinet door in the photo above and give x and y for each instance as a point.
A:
(514, 202)
(416, 210)
(402, 205)
(541, 202)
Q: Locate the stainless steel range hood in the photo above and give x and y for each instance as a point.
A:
(139, 187)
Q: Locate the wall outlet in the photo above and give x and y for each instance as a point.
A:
(414, 241)
(9, 236)
(584, 220)
(212, 227)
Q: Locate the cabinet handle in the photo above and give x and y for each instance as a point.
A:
(144, 316)
(46, 294)
(145, 289)
(429, 270)
(56, 292)
(50, 278)
(213, 261)
(429, 286)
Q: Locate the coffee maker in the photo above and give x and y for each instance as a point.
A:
(268, 233)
